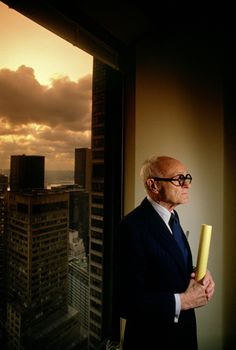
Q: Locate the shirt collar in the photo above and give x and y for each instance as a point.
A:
(162, 211)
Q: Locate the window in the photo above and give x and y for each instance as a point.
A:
(105, 197)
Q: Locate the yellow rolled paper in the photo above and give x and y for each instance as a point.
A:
(203, 252)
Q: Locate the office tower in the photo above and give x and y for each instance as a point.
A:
(96, 268)
(2, 266)
(3, 188)
(78, 211)
(82, 175)
(3, 182)
(76, 246)
(78, 292)
(26, 172)
(105, 202)
(79, 214)
(37, 264)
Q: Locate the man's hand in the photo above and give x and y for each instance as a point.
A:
(194, 296)
(198, 293)
(209, 284)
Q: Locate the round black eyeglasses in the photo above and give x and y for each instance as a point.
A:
(178, 180)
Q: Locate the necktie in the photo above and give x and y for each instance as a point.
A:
(177, 234)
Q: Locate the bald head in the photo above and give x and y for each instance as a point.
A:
(162, 166)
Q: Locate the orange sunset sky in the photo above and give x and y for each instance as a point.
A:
(45, 93)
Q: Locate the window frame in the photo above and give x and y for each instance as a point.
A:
(90, 37)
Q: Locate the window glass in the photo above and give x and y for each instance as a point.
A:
(60, 193)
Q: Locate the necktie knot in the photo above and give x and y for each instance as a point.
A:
(173, 220)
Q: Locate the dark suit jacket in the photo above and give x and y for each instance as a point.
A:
(149, 270)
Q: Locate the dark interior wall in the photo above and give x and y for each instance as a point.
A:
(229, 194)
(179, 92)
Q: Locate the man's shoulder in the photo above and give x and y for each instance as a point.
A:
(139, 213)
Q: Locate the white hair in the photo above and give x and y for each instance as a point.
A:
(153, 167)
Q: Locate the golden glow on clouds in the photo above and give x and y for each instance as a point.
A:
(23, 42)
(37, 127)
(45, 106)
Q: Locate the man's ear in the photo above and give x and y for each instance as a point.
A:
(152, 185)
(155, 186)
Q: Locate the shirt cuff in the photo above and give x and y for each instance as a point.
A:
(177, 307)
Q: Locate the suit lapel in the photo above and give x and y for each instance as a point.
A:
(158, 228)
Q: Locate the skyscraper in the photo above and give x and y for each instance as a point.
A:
(26, 172)
(3, 182)
(105, 201)
(3, 188)
(78, 291)
(78, 211)
(96, 266)
(83, 168)
(79, 214)
(37, 260)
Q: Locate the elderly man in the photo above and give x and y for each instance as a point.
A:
(157, 292)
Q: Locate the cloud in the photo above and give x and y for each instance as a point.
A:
(47, 120)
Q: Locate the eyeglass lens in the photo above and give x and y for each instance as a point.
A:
(184, 179)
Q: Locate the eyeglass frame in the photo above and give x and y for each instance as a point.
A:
(175, 178)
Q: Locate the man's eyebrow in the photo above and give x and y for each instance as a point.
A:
(175, 175)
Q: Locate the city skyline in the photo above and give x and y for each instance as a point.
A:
(56, 295)
(41, 216)
(46, 90)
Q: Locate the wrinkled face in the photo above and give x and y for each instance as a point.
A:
(170, 194)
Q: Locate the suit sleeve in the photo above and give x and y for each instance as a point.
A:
(140, 289)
